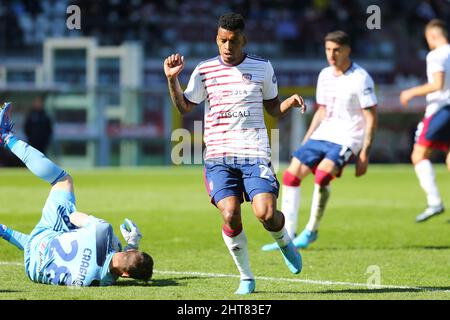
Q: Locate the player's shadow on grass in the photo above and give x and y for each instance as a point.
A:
(9, 291)
(431, 247)
(173, 281)
(152, 283)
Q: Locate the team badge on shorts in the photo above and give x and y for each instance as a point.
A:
(211, 185)
(246, 78)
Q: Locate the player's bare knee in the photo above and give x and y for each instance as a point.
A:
(416, 157)
(68, 178)
(65, 183)
(297, 169)
(420, 153)
(231, 216)
(265, 213)
(326, 165)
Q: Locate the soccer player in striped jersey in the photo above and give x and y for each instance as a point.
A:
(235, 87)
(434, 130)
(68, 247)
(342, 127)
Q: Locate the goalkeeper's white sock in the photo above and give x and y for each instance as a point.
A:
(425, 173)
(236, 242)
(290, 202)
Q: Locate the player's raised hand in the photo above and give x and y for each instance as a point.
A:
(173, 65)
(298, 102)
(131, 234)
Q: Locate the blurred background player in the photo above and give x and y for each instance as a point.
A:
(236, 86)
(342, 127)
(95, 256)
(434, 130)
(38, 126)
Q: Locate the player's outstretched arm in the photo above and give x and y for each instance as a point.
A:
(173, 65)
(276, 108)
(315, 122)
(437, 84)
(82, 220)
(362, 162)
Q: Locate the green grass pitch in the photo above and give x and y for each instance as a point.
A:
(369, 222)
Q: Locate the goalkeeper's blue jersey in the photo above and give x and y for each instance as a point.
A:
(79, 257)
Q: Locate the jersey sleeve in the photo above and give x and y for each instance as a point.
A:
(104, 238)
(320, 93)
(270, 86)
(195, 91)
(366, 92)
(435, 63)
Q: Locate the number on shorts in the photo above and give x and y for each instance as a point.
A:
(264, 171)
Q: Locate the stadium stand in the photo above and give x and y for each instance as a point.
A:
(288, 32)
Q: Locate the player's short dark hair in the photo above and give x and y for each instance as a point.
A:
(339, 37)
(139, 265)
(438, 23)
(232, 22)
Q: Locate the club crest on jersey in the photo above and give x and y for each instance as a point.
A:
(246, 78)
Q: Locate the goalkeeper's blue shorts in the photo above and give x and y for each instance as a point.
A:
(55, 214)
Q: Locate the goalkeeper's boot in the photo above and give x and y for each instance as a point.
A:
(292, 258)
(429, 212)
(246, 286)
(3, 229)
(305, 239)
(6, 125)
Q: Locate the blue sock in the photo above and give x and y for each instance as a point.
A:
(35, 161)
(14, 237)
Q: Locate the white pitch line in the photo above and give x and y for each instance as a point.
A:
(317, 282)
(7, 263)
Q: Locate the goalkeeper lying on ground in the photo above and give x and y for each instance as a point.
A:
(68, 247)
